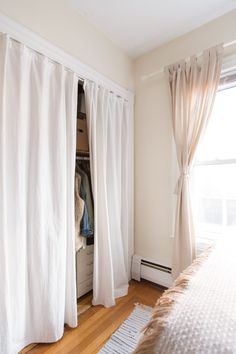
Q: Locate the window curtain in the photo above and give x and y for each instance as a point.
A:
(107, 117)
(38, 100)
(193, 86)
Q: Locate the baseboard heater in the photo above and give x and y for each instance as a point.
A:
(152, 271)
(156, 266)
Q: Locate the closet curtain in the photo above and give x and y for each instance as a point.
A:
(193, 87)
(108, 129)
(38, 101)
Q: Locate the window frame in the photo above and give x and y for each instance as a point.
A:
(226, 83)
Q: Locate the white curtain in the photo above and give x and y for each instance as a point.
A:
(193, 87)
(108, 129)
(37, 155)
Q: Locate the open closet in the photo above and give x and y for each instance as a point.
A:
(52, 203)
(84, 204)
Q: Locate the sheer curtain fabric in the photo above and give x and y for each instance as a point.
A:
(37, 154)
(108, 129)
(193, 86)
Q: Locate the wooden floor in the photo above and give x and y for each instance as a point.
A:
(97, 323)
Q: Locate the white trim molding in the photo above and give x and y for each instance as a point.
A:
(154, 271)
(41, 45)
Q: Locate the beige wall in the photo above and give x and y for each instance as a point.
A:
(58, 22)
(155, 162)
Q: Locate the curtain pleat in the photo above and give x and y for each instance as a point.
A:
(108, 117)
(38, 101)
(193, 86)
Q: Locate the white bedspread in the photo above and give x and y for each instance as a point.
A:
(203, 320)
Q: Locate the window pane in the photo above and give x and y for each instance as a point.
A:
(231, 212)
(214, 185)
(210, 211)
(214, 195)
(219, 141)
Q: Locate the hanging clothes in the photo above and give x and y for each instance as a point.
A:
(85, 166)
(84, 225)
(87, 222)
(80, 242)
(86, 169)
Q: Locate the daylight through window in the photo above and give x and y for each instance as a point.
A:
(214, 173)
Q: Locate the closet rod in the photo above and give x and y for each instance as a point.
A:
(82, 81)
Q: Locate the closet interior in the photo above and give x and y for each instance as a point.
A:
(84, 210)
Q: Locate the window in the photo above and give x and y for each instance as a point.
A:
(214, 172)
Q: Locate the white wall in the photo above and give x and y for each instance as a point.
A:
(155, 161)
(60, 23)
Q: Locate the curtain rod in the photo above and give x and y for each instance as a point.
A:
(160, 71)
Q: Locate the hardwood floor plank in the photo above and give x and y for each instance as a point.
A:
(97, 323)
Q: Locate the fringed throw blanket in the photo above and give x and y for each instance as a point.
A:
(197, 315)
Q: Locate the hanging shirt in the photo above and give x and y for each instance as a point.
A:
(80, 241)
(87, 225)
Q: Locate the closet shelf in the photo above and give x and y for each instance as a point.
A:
(87, 158)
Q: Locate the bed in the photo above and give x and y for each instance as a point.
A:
(198, 314)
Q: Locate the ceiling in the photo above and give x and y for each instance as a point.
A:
(138, 26)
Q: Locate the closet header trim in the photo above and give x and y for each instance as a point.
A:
(41, 45)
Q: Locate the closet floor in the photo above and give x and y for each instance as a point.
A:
(96, 323)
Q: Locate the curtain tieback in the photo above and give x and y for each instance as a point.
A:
(183, 174)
